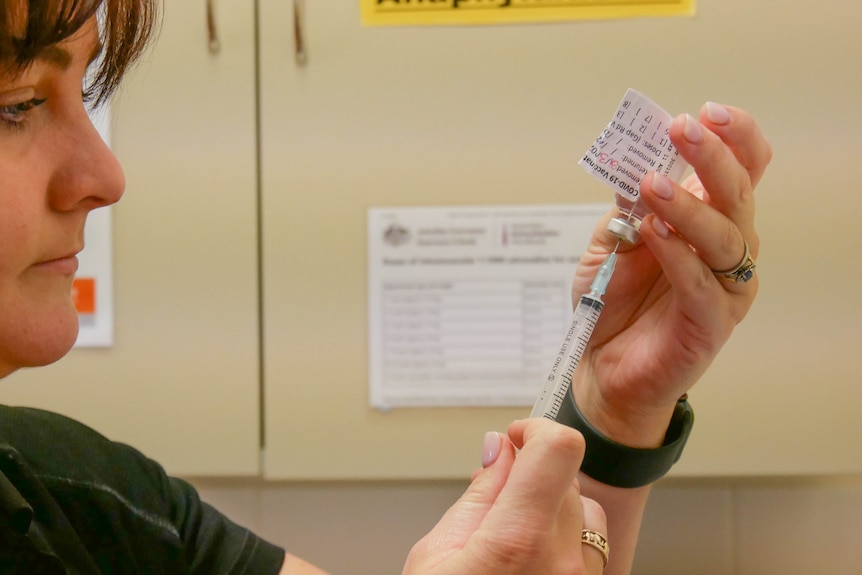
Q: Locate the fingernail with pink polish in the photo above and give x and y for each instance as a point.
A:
(660, 227)
(717, 113)
(491, 448)
(662, 186)
(692, 130)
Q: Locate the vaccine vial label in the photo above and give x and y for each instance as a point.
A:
(633, 144)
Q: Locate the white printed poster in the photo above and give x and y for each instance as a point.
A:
(469, 305)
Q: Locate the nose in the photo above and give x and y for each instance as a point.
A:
(88, 175)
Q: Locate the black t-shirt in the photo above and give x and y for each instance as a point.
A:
(73, 502)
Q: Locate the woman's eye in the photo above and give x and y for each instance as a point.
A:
(15, 115)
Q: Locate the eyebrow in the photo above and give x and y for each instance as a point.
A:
(56, 56)
(62, 58)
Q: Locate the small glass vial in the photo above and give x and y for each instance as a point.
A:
(627, 225)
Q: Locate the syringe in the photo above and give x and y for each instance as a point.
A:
(575, 343)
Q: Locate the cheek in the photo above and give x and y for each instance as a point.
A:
(23, 208)
(38, 322)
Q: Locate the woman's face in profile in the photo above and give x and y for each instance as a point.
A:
(54, 169)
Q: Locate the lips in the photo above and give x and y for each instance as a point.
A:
(64, 265)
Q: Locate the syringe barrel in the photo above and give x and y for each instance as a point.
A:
(590, 303)
(559, 379)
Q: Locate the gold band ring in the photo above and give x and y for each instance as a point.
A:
(598, 541)
(743, 271)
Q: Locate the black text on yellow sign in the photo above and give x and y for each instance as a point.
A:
(418, 12)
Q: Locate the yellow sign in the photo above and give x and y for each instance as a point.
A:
(429, 12)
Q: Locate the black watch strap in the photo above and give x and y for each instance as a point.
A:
(615, 464)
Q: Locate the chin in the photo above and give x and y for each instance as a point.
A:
(50, 341)
(55, 352)
(64, 338)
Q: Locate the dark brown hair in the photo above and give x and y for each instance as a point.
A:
(125, 28)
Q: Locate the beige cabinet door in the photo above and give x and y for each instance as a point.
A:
(500, 115)
(182, 378)
(384, 117)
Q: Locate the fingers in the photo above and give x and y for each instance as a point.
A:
(699, 293)
(596, 521)
(725, 179)
(701, 297)
(718, 242)
(729, 154)
(543, 480)
(523, 512)
(738, 130)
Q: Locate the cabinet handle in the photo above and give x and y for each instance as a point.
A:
(299, 33)
(212, 30)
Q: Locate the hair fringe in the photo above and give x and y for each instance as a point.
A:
(125, 29)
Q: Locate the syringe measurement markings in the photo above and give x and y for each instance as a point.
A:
(566, 378)
(585, 318)
(569, 374)
(559, 379)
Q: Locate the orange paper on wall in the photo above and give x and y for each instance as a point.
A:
(84, 294)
